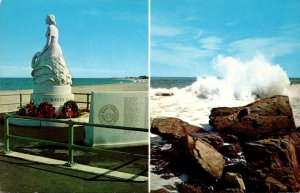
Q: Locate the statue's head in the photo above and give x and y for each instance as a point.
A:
(50, 19)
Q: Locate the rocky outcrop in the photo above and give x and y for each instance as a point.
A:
(273, 164)
(256, 148)
(173, 127)
(184, 188)
(164, 94)
(257, 120)
(212, 139)
(231, 150)
(232, 147)
(295, 135)
(233, 190)
(205, 154)
(161, 190)
(236, 180)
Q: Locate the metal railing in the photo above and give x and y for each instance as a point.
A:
(20, 98)
(70, 145)
(87, 99)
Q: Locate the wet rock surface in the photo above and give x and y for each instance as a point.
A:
(161, 190)
(256, 149)
(273, 164)
(205, 154)
(183, 187)
(173, 127)
(236, 180)
(264, 117)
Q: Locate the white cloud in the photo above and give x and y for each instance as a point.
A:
(198, 34)
(211, 43)
(165, 31)
(178, 54)
(270, 47)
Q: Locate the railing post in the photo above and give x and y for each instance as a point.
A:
(87, 101)
(70, 145)
(6, 134)
(21, 99)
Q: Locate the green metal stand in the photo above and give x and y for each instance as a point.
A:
(71, 162)
(6, 134)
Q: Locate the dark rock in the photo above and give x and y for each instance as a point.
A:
(234, 190)
(231, 150)
(295, 135)
(173, 127)
(212, 139)
(230, 138)
(170, 187)
(273, 164)
(164, 94)
(274, 185)
(257, 120)
(186, 188)
(205, 155)
(167, 176)
(236, 166)
(161, 190)
(236, 180)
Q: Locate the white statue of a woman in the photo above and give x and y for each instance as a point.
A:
(49, 67)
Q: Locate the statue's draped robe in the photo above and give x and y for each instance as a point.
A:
(50, 68)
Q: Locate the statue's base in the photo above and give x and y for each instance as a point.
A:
(55, 95)
(57, 100)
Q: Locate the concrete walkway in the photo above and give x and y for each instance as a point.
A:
(17, 175)
(20, 175)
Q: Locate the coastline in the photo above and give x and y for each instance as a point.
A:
(136, 86)
(170, 171)
(188, 107)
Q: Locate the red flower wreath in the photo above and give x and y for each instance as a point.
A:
(45, 110)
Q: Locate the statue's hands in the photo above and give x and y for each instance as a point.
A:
(34, 59)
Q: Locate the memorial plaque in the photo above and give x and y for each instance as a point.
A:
(128, 109)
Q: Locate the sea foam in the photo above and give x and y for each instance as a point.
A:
(242, 82)
(256, 78)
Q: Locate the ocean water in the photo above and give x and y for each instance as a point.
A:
(27, 83)
(181, 82)
(193, 98)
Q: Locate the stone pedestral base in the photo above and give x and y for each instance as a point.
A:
(129, 109)
(55, 95)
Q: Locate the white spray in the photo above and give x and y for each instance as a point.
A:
(242, 82)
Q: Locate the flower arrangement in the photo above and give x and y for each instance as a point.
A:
(29, 110)
(69, 110)
(21, 111)
(45, 110)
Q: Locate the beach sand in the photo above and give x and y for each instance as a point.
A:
(140, 86)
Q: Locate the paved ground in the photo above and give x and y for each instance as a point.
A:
(17, 175)
(24, 176)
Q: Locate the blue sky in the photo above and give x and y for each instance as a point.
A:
(187, 36)
(99, 38)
